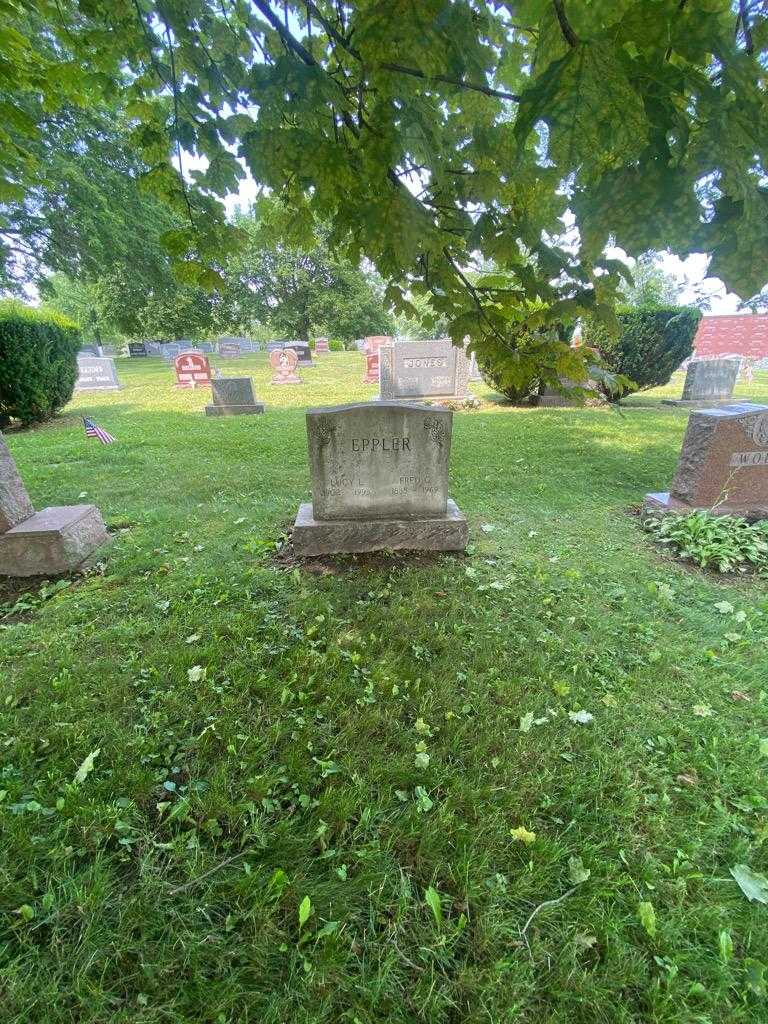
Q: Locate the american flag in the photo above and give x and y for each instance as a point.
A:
(91, 430)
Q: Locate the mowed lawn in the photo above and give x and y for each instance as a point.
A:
(373, 791)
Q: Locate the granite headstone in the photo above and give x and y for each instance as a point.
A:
(233, 396)
(379, 478)
(137, 349)
(423, 369)
(708, 382)
(96, 374)
(723, 464)
(55, 540)
(283, 362)
(192, 370)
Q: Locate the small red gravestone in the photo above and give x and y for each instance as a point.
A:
(321, 346)
(283, 362)
(371, 368)
(192, 369)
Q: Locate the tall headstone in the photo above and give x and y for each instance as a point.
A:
(723, 464)
(137, 349)
(708, 382)
(284, 361)
(379, 477)
(321, 346)
(233, 396)
(192, 370)
(423, 369)
(47, 543)
(373, 342)
(95, 374)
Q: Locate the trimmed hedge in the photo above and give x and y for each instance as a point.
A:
(38, 363)
(651, 345)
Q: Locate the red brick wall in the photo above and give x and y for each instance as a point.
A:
(742, 334)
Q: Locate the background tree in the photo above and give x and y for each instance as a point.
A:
(651, 285)
(426, 133)
(298, 291)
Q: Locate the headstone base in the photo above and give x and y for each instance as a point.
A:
(700, 403)
(54, 541)
(662, 503)
(341, 536)
(234, 410)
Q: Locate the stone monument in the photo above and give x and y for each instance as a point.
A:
(723, 464)
(708, 382)
(283, 361)
(379, 478)
(233, 396)
(371, 375)
(137, 349)
(321, 347)
(423, 369)
(56, 540)
(192, 369)
(96, 373)
(230, 349)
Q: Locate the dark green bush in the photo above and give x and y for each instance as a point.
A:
(652, 343)
(38, 363)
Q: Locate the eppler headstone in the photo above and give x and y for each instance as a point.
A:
(723, 464)
(379, 477)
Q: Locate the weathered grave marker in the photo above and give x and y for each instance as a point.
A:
(379, 477)
(229, 349)
(283, 361)
(233, 396)
(96, 374)
(137, 349)
(723, 464)
(46, 543)
(192, 370)
(321, 346)
(423, 369)
(708, 382)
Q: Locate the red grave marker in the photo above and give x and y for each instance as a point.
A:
(371, 368)
(283, 362)
(192, 369)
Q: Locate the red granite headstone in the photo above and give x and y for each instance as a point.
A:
(723, 464)
(373, 342)
(321, 346)
(283, 362)
(371, 368)
(192, 370)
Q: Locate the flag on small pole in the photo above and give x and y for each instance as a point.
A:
(91, 430)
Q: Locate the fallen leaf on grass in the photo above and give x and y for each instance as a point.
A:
(577, 873)
(647, 916)
(86, 767)
(739, 695)
(687, 780)
(725, 607)
(581, 717)
(753, 885)
(702, 710)
(522, 835)
(526, 721)
(195, 674)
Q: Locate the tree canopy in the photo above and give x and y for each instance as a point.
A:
(431, 134)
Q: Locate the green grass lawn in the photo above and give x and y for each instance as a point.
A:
(304, 802)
